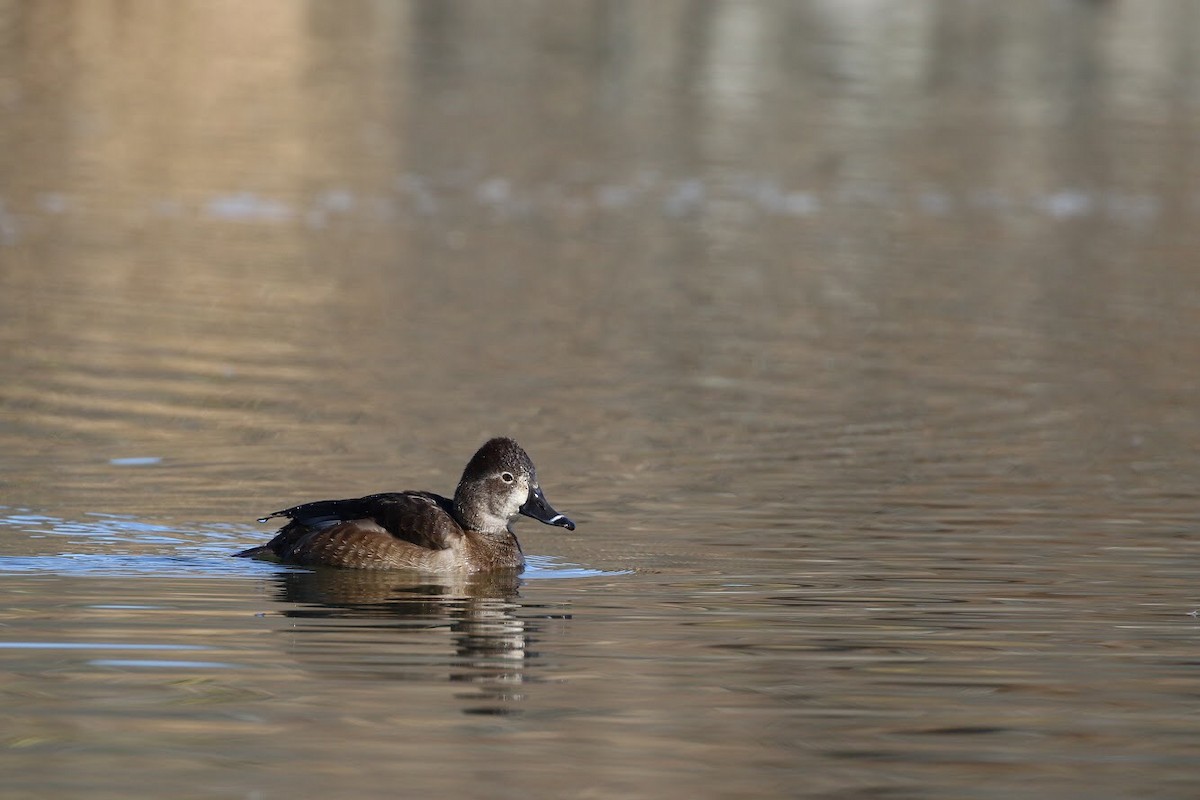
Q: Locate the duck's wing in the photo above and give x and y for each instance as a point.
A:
(422, 519)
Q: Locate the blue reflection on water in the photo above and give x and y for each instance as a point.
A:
(541, 567)
(158, 664)
(156, 549)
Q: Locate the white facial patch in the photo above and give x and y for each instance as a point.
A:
(520, 496)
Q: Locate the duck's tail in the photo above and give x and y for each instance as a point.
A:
(263, 552)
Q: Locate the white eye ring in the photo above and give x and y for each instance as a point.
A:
(506, 477)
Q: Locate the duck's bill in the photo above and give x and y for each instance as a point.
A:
(537, 508)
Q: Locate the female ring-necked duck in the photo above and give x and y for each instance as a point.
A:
(420, 530)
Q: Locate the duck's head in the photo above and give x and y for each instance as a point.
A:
(499, 483)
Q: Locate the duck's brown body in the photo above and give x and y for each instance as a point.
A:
(422, 530)
(395, 530)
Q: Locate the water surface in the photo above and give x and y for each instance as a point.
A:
(859, 339)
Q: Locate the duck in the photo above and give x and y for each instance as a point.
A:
(469, 533)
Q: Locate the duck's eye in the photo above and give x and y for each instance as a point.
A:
(507, 477)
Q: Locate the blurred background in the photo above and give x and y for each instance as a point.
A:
(804, 310)
(331, 238)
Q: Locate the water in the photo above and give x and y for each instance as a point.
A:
(859, 339)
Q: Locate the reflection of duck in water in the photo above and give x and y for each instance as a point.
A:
(410, 613)
(390, 593)
(420, 530)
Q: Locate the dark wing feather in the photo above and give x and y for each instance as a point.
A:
(320, 513)
(423, 519)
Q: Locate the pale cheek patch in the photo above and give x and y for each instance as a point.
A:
(518, 497)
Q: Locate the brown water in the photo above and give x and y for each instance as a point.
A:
(861, 340)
